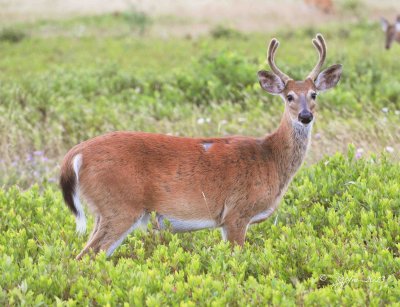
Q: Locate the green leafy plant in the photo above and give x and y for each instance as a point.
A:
(334, 239)
(12, 35)
(222, 31)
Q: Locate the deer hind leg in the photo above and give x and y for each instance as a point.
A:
(96, 235)
(92, 237)
(119, 228)
(111, 230)
(95, 228)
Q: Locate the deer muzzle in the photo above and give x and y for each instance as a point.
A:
(305, 117)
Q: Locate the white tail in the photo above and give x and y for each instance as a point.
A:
(80, 217)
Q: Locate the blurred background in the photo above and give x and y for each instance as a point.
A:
(197, 17)
(71, 70)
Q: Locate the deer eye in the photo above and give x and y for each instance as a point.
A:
(290, 98)
(313, 96)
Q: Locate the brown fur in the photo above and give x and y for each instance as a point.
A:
(127, 174)
(67, 183)
(323, 5)
(232, 181)
(391, 34)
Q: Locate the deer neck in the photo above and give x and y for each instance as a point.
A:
(287, 147)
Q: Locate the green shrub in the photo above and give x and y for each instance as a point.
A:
(12, 35)
(353, 7)
(137, 19)
(222, 31)
(334, 240)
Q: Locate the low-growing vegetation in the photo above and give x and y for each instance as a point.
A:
(336, 236)
(334, 240)
(12, 35)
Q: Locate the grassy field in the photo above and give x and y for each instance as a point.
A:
(336, 236)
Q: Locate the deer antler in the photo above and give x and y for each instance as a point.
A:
(320, 45)
(273, 45)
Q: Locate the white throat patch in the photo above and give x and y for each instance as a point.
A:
(301, 132)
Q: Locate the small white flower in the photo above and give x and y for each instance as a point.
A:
(80, 30)
(200, 121)
(23, 286)
(389, 149)
(359, 153)
(241, 119)
(385, 110)
(397, 112)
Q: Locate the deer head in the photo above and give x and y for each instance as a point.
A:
(299, 96)
(391, 31)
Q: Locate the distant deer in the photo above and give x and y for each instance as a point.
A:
(195, 183)
(392, 31)
(325, 6)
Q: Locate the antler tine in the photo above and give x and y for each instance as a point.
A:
(320, 45)
(317, 45)
(273, 45)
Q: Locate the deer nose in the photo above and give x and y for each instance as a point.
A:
(305, 117)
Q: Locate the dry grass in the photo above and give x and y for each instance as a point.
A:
(183, 18)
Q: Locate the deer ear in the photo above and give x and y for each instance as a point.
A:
(329, 77)
(270, 82)
(397, 24)
(384, 24)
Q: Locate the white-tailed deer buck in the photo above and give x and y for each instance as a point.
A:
(195, 183)
(392, 31)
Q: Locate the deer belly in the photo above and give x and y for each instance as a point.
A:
(177, 225)
(262, 215)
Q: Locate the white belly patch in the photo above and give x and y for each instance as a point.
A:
(262, 215)
(184, 225)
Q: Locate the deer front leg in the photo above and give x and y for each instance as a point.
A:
(235, 231)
